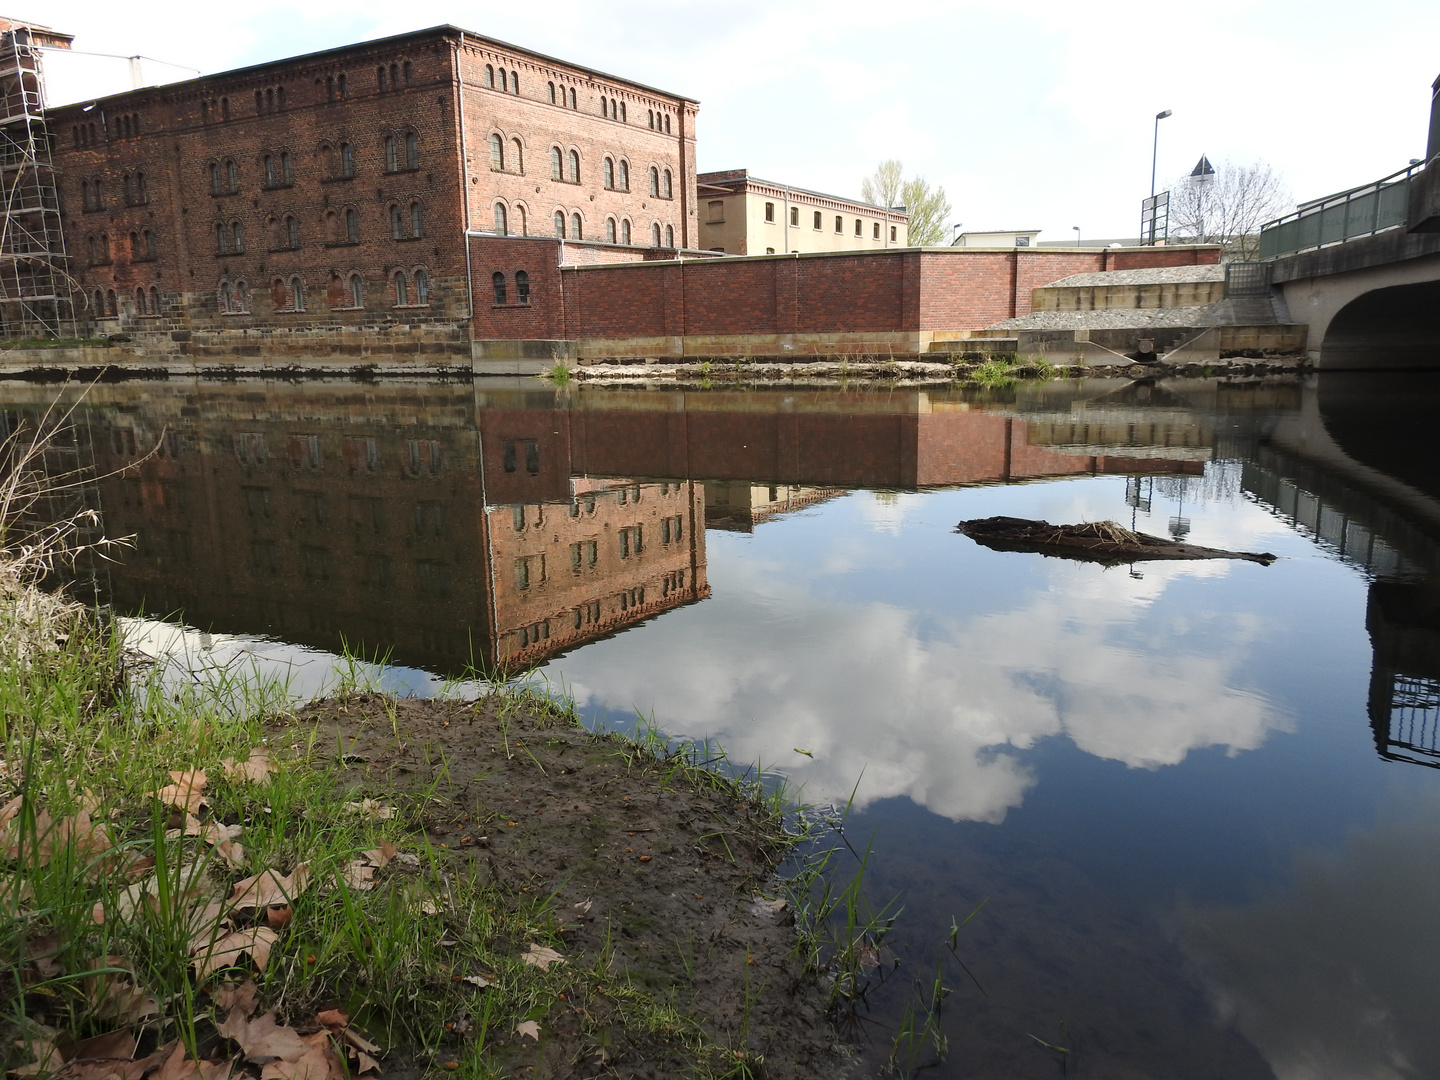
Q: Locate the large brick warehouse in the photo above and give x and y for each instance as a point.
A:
(327, 188)
(444, 194)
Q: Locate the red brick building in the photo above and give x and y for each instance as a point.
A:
(340, 190)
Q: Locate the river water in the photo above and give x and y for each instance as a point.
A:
(1198, 800)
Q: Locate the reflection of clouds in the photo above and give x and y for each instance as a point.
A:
(937, 718)
(1334, 977)
(884, 511)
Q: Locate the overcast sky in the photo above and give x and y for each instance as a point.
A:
(1034, 115)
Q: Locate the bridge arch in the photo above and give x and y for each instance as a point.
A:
(1372, 318)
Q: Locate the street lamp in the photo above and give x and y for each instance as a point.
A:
(1077, 234)
(1155, 151)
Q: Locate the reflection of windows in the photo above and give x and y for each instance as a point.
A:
(377, 570)
(632, 598)
(315, 563)
(587, 613)
(257, 502)
(632, 541)
(312, 506)
(532, 455)
(430, 518)
(535, 633)
(529, 569)
(584, 553)
(361, 452)
(432, 578)
(250, 448)
(425, 453)
(519, 515)
(672, 582)
(672, 529)
(367, 512)
(305, 451)
(264, 557)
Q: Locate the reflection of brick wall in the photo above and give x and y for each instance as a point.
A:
(544, 602)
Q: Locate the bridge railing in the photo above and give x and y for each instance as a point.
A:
(1361, 211)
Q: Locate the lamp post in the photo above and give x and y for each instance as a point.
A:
(1155, 150)
(1077, 234)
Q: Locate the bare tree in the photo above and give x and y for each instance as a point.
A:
(928, 209)
(1228, 208)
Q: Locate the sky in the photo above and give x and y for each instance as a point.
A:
(1035, 115)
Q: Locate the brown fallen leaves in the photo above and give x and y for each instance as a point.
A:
(255, 769)
(77, 833)
(334, 1052)
(542, 957)
(186, 791)
(359, 874)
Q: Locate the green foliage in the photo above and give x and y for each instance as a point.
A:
(929, 209)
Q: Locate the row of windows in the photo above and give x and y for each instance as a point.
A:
(127, 126)
(400, 154)
(404, 290)
(496, 79)
(366, 511)
(269, 100)
(136, 190)
(717, 214)
(406, 222)
(522, 296)
(388, 78)
(105, 304)
(305, 451)
(142, 247)
(511, 221)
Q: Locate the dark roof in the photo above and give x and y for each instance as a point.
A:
(444, 30)
(1203, 167)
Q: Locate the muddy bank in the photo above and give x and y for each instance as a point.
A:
(660, 882)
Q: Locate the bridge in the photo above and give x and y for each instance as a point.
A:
(1361, 268)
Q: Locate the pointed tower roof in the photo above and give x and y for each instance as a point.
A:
(1202, 169)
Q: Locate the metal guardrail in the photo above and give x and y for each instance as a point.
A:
(1361, 211)
(1247, 279)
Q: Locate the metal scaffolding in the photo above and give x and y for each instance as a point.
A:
(35, 295)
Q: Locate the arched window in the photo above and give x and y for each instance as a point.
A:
(347, 160)
(623, 179)
(669, 236)
(227, 298)
(214, 183)
(286, 176)
(357, 291)
(622, 112)
(497, 152)
(417, 219)
(148, 243)
(129, 186)
(795, 216)
(232, 176)
(242, 295)
(392, 162)
(560, 224)
(489, 76)
(352, 227)
(519, 222)
(522, 287)
(816, 223)
(142, 194)
(574, 166)
(498, 280)
(603, 106)
(610, 230)
(292, 231)
(839, 224)
(270, 176)
(154, 300)
(105, 247)
(224, 108)
(655, 235)
(139, 301)
(397, 222)
(406, 71)
(412, 151)
(394, 77)
(237, 238)
(577, 227)
(222, 240)
(112, 303)
(876, 231)
(340, 83)
(259, 102)
(608, 170)
(625, 232)
(667, 123)
(97, 304)
(422, 287)
(402, 291)
(500, 229)
(552, 92)
(380, 77)
(654, 182)
(556, 167)
(650, 114)
(297, 294)
(572, 98)
(666, 190)
(517, 158)
(514, 82)
(500, 75)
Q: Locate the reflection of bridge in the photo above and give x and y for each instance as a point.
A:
(1362, 268)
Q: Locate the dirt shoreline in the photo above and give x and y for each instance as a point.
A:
(665, 878)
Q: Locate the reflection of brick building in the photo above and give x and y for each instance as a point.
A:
(735, 506)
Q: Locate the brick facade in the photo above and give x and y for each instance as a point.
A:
(342, 171)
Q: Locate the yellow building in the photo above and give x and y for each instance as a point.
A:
(743, 215)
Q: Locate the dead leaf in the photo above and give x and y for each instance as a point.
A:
(358, 875)
(314, 1064)
(476, 980)
(218, 1070)
(359, 1042)
(428, 907)
(111, 1046)
(279, 915)
(583, 907)
(231, 996)
(528, 1028)
(332, 1018)
(256, 769)
(116, 997)
(269, 888)
(406, 858)
(542, 957)
(378, 857)
(47, 1059)
(261, 1039)
(232, 853)
(134, 1070)
(371, 809)
(186, 792)
(227, 950)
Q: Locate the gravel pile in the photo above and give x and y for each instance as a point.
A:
(1158, 275)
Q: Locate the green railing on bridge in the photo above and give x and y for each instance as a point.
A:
(1361, 211)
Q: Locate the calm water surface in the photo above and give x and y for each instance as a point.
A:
(1198, 798)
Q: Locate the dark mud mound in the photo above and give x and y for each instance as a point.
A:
(1095, 541)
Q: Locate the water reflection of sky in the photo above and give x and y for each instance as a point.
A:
(1166, 784)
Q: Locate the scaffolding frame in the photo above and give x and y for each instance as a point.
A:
(36, 299)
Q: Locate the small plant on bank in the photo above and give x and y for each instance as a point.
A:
(559, 374)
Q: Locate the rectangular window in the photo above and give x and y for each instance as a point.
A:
(770, 211)
(315, 563)
(839, 224)
(430, 518)
(817, 220)
(250, 448)
(795, 216)
(305, 451)
(877, 230)
(257, 502)
(367, 512)
(264, 557)
(892, 233)
(858, 225)
(1022, 241)
(377, 570)
(361, 453)
(715, 213)
(432, 578)
(592, 552)
(577, 556)
(522, 572)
